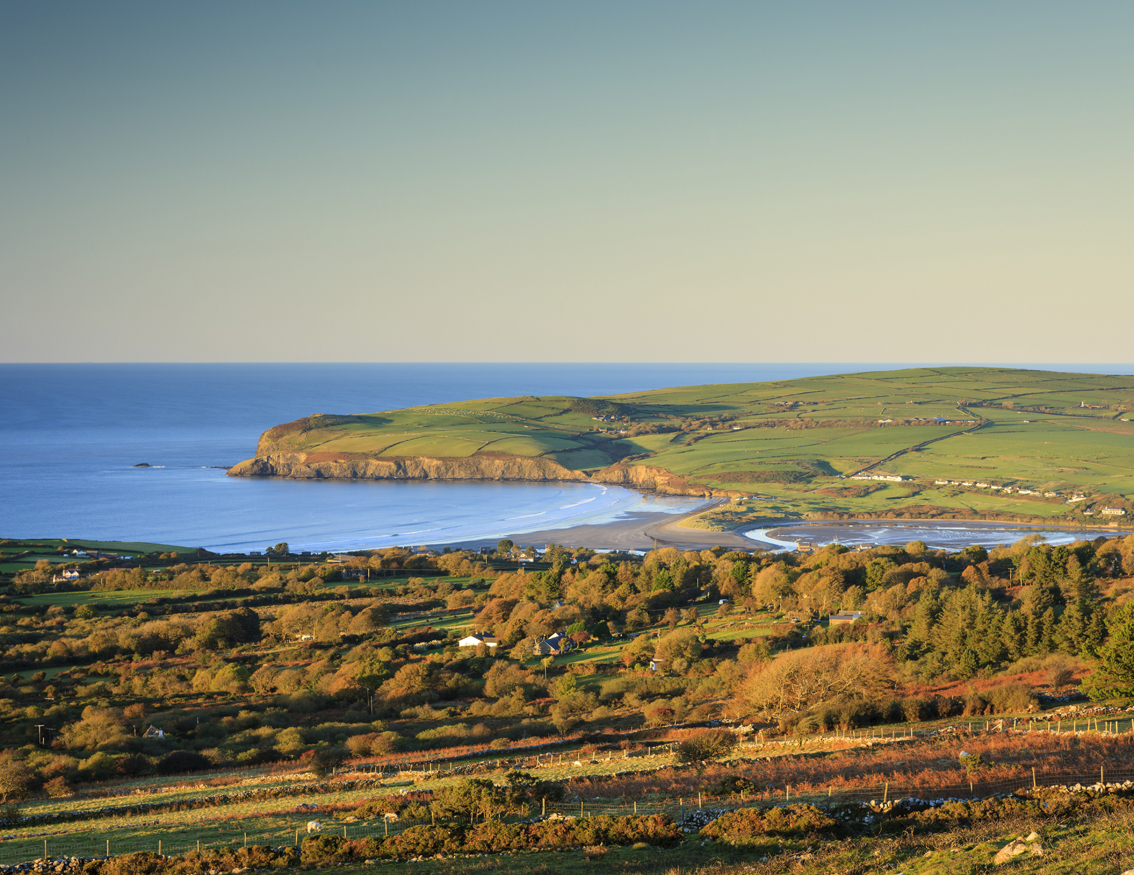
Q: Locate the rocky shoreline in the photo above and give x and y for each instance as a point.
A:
(484, 467)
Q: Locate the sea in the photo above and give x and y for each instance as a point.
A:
(74, 434)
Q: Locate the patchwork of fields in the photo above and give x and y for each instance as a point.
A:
(1040, 438)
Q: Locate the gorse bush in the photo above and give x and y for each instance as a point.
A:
(742, 826)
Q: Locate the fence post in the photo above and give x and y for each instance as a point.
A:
(698, 798)
(108, 847)
(1034, 785)
(886, 793)
(45, 850)
(159, 846)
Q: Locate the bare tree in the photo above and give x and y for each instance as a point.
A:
(801, 679)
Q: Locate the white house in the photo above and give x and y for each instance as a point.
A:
(475, 640)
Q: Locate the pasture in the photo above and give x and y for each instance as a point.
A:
(796, 440)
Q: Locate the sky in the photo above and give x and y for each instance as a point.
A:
(573, 181)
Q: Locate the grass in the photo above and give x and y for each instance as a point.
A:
(609, 783)
(86, 597)
(1033, 434)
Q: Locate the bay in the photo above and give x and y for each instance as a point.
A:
(71, 434)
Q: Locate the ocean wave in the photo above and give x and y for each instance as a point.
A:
(579, 503)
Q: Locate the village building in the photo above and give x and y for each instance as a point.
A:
(475, 640)
(554, 645)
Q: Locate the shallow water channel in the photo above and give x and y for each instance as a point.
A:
(943, 534)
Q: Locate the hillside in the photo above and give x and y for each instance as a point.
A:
(996, 442)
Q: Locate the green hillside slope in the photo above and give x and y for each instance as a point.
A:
(993, 442)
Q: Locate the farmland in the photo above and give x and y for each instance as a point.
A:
(989, 443)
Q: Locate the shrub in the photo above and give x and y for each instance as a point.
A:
(741, 826)
(975, 704)
(973, 762)
(733, 785)
(1014, 696)
(495, 837)
(707, 745)
(323, 849)
(58, 787)
(914, 709)
(182, 761)
(140, 863)
(654, 829)
(423, 841)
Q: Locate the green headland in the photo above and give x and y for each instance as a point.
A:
(961, 442)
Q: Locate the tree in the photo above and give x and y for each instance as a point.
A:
(15, 778)
(1115, 677)
(801, 679)
(281, 549)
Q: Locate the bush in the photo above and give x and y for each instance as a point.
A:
(1014, 696)
(323, 849)
(180, 761)
(423, 841)
(914, 709)
(140, 863)
(740, 827)
(495, 837)
(733, 785)
(710, 744)
(654, 829)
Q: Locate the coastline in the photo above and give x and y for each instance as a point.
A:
(638, 531)
(645, 531)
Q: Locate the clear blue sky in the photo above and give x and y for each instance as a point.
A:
(606, 181)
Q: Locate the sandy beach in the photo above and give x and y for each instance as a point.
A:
(641, 531)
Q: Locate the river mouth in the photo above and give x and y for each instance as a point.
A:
(935, 534)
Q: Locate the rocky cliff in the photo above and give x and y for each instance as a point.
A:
(496, 467)
(308, 466)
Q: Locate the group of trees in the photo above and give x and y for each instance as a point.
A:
(352, 683)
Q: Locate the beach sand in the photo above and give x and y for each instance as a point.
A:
(641, 531)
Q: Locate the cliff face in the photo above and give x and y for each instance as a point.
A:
(650, 479)
(308, 466)
(315, 466)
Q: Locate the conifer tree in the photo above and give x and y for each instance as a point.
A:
(1115, 677)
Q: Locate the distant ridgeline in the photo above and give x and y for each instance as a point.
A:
(993, 443)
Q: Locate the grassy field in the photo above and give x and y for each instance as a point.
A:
(114, 598)
(207, 809)
(797, 441)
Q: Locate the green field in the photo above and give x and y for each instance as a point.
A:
(798, 442)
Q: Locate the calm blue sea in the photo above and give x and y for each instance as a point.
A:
(71, 435)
